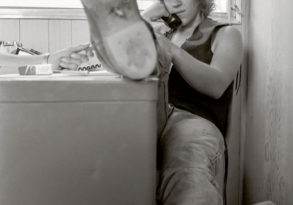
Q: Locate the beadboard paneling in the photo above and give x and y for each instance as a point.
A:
(81, 35)
(80, 32)
(59, 34)
(34, 34)
(9, 29)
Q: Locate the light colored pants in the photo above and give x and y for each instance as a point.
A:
(191, 161)
(265, 203)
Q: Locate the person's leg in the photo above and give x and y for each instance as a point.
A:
(191, 159)
(265, 203)
(120, 37)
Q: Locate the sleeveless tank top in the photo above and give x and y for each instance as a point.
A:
(183, 96)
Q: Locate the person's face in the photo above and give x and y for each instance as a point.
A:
(185, 9)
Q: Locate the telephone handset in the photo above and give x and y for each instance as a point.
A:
(172, 21)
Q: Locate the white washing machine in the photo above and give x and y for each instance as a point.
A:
(77, 140)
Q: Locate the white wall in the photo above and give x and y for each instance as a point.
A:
(58, 4)
(269, 144)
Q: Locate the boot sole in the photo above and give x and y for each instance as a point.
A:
(120, 37)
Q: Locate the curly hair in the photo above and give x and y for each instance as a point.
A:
(206, 6)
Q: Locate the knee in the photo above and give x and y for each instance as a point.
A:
(197, 129)
(198, 132)
(187, 186)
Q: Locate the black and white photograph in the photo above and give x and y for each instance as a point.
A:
(146, 102)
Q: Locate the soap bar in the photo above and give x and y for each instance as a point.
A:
(42, 69)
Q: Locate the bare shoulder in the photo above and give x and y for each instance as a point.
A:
(227, 36)
(229, 30)
(228, 50)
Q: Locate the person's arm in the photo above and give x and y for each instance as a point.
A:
(68, 58)
(212, 79)
(154, 12)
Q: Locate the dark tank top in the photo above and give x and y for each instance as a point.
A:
(183, 96)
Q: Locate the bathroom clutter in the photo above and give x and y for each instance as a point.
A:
(43, 68)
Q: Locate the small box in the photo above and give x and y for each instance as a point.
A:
(43, 69)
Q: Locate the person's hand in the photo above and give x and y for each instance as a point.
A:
(165, 50)
(153, 15)
(165, 46)
(155, 12)
(70, 58)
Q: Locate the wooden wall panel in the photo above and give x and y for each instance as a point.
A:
(9, 29)
(59, 34)
(81, 35)
(80, 32)
(34, 34)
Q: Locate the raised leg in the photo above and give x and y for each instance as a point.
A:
(121, 37)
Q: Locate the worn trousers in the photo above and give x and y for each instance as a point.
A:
(191, 162)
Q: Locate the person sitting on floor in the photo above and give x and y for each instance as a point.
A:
(196, 62)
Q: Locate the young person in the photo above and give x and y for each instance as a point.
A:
(196, 65)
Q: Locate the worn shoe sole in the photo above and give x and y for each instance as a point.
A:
(120, 37)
